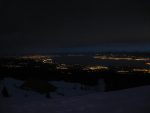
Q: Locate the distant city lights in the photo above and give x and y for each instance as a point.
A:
(147, 63)
(95, 68)
(142, 70)
(121, 58)
(123, 71)
(37, 61)
(48, 61)
(62, 67)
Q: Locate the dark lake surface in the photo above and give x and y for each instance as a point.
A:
(89, 60)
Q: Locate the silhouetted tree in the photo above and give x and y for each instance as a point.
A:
(5, 92)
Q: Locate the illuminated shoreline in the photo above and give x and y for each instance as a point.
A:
(121, 58)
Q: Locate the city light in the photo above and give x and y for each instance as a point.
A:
(147, 63)
(62, 67)
(39, 58)
(47, 61)
(121, 58)
(95, 68)
(123, 71)
(142, 70)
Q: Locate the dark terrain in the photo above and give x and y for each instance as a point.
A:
(36, 74)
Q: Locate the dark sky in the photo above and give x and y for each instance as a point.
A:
(28, 25)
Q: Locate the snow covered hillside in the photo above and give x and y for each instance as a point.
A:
(133, 100)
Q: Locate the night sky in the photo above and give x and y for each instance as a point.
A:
(28, 26)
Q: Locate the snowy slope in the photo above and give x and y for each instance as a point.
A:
(64, 89)
(134, 100)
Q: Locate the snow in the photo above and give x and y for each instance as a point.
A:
(133, 100)
(64, 89)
